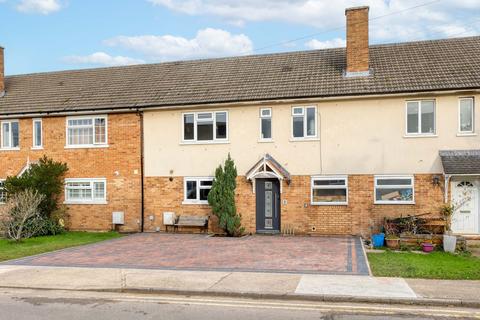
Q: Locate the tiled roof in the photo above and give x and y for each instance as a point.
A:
(460, 161)
(397, 68)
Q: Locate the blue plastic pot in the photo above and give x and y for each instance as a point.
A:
(378, 240)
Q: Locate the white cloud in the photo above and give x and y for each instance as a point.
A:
(39, 6)
(317, 44)
(427, 21)
(206, 44)
(102, 58)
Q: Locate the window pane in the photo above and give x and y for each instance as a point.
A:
(298, 111)
(204, 194)
(6, 135)
(100, 130)
(38, 134)
(191, 190)
(266, 112)
(335, 182)
(204, 116)
(298, 127)
(394, 194)
(329, 195)
(221, 124)
(428, 117)
(311, 122)
(266, 128)
(99, 190)
(80, 131)
(15, 134)
(188, 129)
(466, 113)
(412, 117)
(206, 183)
(205, 130)
(394, 182)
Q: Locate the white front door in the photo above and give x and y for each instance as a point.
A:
(465, 199)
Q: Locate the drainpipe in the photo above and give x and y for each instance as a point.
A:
(142, 183)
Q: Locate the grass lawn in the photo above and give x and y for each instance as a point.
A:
(436, 265)
(11, 250)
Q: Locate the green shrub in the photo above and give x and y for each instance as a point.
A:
(222, 198)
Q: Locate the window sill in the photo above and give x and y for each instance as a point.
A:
(204, 203)
(93, 146)
(37, 148)
(204, 142)
(329, 203)
(10, 149)
(304, 139)
(407, 136)
(466, 134)
(86, 202)
(395, 203)
(265, 141)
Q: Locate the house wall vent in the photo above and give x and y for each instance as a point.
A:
(118, 217)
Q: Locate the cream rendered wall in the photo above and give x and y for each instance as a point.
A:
(362, 136)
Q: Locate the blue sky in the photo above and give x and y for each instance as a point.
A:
(47, 35)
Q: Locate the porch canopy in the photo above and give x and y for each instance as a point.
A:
(268, 167)
(460, 162)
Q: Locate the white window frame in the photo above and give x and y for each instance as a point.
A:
(420, 133)
(2, 190)
(380, 177)
(269, 116)
(460, 132)
(326, 178)
(304, 115)
(199, 187)
(195, 122)
(34, 134)
(9, 147)
(92, 200)
(95, 144)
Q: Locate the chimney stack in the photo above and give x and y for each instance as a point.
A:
(358, 63)
(2, 73)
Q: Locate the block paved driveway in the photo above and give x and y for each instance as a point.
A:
(327, 255)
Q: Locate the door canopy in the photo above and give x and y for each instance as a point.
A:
(268, 167)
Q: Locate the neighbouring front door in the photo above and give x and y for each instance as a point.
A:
(465, 197)
(268, 205)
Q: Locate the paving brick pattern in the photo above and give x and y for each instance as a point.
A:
(329, 255)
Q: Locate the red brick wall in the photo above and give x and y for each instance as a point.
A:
(122, 157)
(358, 217)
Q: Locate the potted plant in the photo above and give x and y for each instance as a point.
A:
(449, 240)
(392, 239)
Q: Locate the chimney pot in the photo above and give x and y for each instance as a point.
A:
(358, 63)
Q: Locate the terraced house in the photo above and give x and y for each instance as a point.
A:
(325, 141)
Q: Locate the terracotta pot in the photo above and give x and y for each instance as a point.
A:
(393, 243)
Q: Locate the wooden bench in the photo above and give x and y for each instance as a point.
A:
(191, 221)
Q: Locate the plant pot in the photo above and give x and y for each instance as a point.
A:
(378, 240)
(449, 243)
(427, 247)
(393, 243)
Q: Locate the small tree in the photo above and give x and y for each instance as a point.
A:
(46, 177)
(222, 198)
(21, 214)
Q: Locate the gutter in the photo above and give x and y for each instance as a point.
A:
(142, 181)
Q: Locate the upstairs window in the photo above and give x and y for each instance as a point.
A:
(329, 190)
(197, 189)
(10, 134)
(266, 124)
(205, 126)
(394, 190)
(87, 131)
(466, 115)
(37, 134)
(3, 193)
(421, 117)
(91, 191)
(304, 122)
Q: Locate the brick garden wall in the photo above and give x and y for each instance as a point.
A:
(119, 164)
(358, 217)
